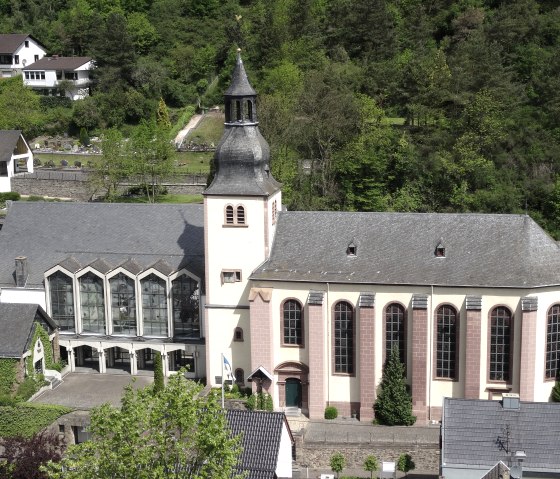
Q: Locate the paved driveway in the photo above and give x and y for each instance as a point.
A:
(84, 391)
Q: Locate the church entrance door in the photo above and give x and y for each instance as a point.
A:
(293, 392)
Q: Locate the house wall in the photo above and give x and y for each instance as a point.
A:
(284, 464)
(233, 248)
(23, 295)
(344, 391)
(27, 54)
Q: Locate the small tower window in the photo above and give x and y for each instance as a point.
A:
(240, 215)
(250, 110)
(238, 111)
(229, 215)
(238, 334)
(352, 249)
(228, 112)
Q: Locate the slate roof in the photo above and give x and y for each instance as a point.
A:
(472, 431)
(58, 63)
(486, 250)
(9, 42)
(16, 321)
(108, 234)
(8, 141)
(262, 432)
(242, 164)
(240, 85)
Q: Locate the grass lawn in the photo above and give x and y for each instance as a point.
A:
(27, 419)
(209, 130)
(186, 162)
(175, 199)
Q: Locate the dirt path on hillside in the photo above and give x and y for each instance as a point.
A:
(192, 124)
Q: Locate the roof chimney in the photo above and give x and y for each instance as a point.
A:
(21, 271)
(510, 401)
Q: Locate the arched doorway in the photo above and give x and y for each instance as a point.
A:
(293, 392)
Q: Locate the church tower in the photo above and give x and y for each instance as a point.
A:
(241, 207)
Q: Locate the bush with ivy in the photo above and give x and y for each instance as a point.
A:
(331, 412)
(260, 402)
(8, 371)
(27, 419)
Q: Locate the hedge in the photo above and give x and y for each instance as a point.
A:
(27, 419)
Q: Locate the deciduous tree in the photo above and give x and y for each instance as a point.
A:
(176, 433)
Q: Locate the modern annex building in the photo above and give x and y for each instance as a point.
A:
(303, 304)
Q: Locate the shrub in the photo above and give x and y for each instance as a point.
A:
(63, 163)
(371, 464)
(158, 373)
(235, 389)
(78, 164)
(36, 162)
(331, 412)
(405, 463)
(28, 387)
(50, 163)
(35, 198)
(251, 403)
(7, 401)
(337, 463)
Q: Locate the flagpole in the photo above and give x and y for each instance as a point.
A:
(223, 401)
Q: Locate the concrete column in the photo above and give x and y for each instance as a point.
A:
(473, 306)
(71, 359)
(165, 363)
(133, 364)
(366, 305)
(260, 314)
(102, 365)
(420, 356)
(317, 361)
(527, 367)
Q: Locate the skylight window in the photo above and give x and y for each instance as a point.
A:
(352, 249)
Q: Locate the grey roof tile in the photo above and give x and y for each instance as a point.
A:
(50, 233)
(472, 430)
(8, 141)
(486, 250)
(58, 63)
(262, 432)
(101, 265)
(9, 42)
(16, 321)
(70, 264)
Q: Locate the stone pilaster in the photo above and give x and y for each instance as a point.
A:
(261, 329)
(366, 305)
(473, 305)
(527, 367)
(317, 361)
(419, 356)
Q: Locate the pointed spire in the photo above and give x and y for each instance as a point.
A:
(240, 85)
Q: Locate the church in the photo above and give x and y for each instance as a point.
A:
(304, 305)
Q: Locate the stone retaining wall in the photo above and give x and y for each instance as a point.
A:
(74, 184)
(317, 455)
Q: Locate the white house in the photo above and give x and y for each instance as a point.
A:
(54, 75)
(15, 157)
(17, 51)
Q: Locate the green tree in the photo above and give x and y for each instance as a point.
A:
(555, 393)
(394, 404)
(20, 107)
(176, 433)
(337, 463)
(114, 167)
(152, 156)
(162, 114)
(405, 463)
(371, 464)
(158, 373)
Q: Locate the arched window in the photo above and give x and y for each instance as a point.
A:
(238, 111)
(343, 338)
(154, 306)
(229, 215)
(239, 376)
(500, 344)
(62, 301)
(92, 303)
(186, 316)
(293, 322)
(446, 342)
(238, 334)
(240, 215)
(395, 332)
(553, 342)
(123, 305)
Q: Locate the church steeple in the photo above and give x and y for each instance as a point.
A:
(242, 158)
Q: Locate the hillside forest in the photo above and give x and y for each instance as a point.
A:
(370, 105)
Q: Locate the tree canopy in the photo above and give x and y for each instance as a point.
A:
(171, 433)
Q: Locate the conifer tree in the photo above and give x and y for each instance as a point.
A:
(158, 373)
(394, 404)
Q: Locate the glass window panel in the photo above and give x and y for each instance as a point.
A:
(92, 304)
(123, 305)
(62, 301)
(154, 306)
(186, 310)
(292, 322)
(344, 338)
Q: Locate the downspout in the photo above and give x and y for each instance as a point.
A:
(329, 349)
(430, 353)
